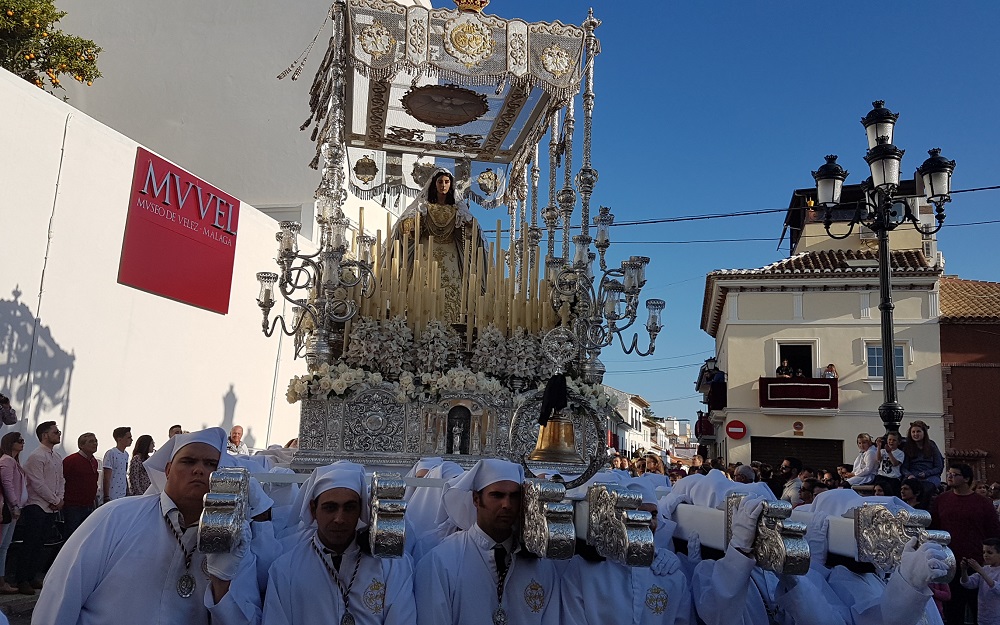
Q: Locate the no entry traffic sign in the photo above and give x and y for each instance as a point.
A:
(736, 430)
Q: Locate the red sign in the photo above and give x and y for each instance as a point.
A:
(180, 235)
(736, 430)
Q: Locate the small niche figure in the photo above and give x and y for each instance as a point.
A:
(456, 439)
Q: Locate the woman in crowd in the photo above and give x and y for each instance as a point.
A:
(639, 467)
(15, 495)
(138, 480)
(922, 460)
(654, 464)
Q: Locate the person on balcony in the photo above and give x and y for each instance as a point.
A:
(866, 464)
(784, 371)
(831, 371)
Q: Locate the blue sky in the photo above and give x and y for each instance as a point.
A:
(720, 107)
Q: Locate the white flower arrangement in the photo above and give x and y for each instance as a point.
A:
(490, 355)
(438, 344)
(327, 382)
(523, 355)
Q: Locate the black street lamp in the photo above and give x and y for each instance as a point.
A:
(881, 211)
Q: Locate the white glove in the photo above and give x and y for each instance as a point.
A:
(665, 563)
(224, 565)
(671, 501)
(745, 522)
(919, 566)
(816, 537)
(694, 548)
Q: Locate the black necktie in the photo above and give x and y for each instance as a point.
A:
(337, 558)
(500, 557)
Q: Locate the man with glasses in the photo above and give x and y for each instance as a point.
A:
(970, 519)
(46, 487)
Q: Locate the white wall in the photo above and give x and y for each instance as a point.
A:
(105, 354)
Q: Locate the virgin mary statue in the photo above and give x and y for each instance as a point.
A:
(444, 216)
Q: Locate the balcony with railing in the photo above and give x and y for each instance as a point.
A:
(799, 395)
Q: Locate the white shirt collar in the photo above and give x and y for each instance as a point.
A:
(485, 543)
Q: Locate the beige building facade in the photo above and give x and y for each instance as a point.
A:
(820, 307)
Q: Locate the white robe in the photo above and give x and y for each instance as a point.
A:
(124, 561)
(456, 583)
(735, 591)
(873, 602)
(598, 593)
(301, 590)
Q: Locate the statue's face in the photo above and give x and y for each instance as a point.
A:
(443, 186)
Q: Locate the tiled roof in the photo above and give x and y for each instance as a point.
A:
(969, 300)
(837, 261)
(833, 264)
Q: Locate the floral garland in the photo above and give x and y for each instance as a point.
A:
(329, 381)
(340, 380)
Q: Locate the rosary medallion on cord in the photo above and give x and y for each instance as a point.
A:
(348, 618)
(185, 584)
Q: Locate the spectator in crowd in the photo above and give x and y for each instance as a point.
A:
(911, 491)
(744, 474)
(46, 489)
(174, 431)
(810, 488)
(235, 444)
(878, 491)
(981, 488)
(654, 464)
(995, 496)
(790, 468)
(922, 459)
(138, 480)
(639, 467)
(806, 473)
(970, 519)
(116, 465)
(831, 372)
(844, 471)
(783, 371)
(292, 444)
(831, 479)
(7, 414)
(865, 465)
(15, 497)
(890, 463)
(80, 470)
(985, 579)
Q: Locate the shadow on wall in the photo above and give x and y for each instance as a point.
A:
(229, 401)
(38, 384)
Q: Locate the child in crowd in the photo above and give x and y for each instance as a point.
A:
(987, 580)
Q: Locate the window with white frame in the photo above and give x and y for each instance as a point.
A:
(875, 360)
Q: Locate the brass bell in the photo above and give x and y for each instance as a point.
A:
(556, 442)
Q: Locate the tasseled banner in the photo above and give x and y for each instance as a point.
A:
(554, 398)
